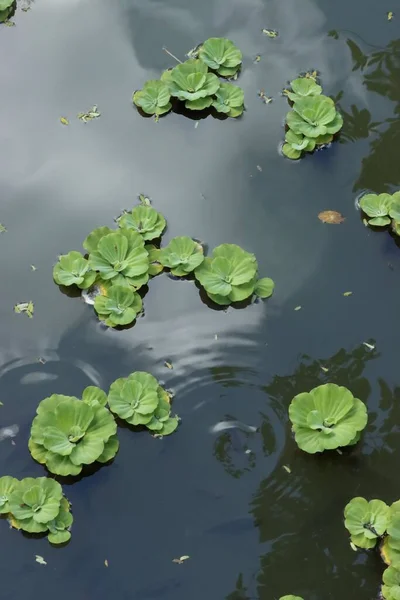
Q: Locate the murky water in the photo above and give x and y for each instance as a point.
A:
(252, 530)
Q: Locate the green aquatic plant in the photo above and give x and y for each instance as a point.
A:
(154, 259)
(154, 98)
(314, 116)
(91, 242)
(229, 99)
(120, 306)
(6, 9)
(140, 400)
(303, 87)
(391, 584)
(121, 256)
(144, 220)
(290, 597)
(390, 547)
(230, 275)
(377, 208)
(37, 505)
(366, 521)
(68, 433)
(182, 255)
(191, 82)
(73, 269)
(327, 417)
(221, 55)
(7, 486)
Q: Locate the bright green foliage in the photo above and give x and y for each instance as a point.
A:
(6, 9)
(120, 306)
(154, 98)
(140, 400)
(144, 220)
(302, 87)
(94, 396)
(38, 506)
(391, 584)
(7, 486)
(229, 99)
(73, 269)
(68, 433)
(182, 255)
(154, 259)
(191, 82)
(92, 241)
(264, 287)
(314, 116)
(366, 521)
(290, 597)
(326, 418)
(377, 207)
(121, 256)
(221, 55)
(230, 275)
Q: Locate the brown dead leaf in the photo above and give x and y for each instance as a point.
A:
(331, 216)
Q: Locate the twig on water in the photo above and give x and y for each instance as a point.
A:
(172, 55)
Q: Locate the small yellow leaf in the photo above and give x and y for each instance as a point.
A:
(287, 469)
(324, 369)
(390, 15)
(347, 293)
(64, 121)
(40, 560)
(106, 563)
(353, 546)
(168, 365)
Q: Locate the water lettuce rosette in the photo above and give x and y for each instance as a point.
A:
(120, 306)
(182, 255)
(154, 98)
(366, 521)
(144, 220)
(191, 82)
(327, 417)
(68, 433)
(221, 55)
(73, 269)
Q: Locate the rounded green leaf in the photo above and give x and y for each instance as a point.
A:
(264, 287)
(228, 96)
(59, 537)
(341, 417)
(154, 98)
(376, 205)
(154, 259)
(110, 449)
(211, 280)
(199, 103)
(191, 81)
(366, 521)
(120, 307)
(291, 152)
(7, 486)
(290, 597)
(241, 292)
(36, 500)
(394, 211)
(220, 52)
(145, 220)
(73, 269)
(297, 142)
(316, 110)
(135, 398)
(182, 253)
(169, 426)
(91, 242)
(303, 86)
(379, 221)
(94, 396)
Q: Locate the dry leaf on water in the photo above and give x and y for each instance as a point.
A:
(331, 216)
(180, 560)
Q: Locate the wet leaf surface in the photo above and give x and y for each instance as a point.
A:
(25, 307)
(331, 216)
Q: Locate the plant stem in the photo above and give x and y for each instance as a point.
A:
(170, 54)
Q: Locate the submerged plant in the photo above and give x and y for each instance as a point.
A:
(302, 87)
(229, 99)
(221, 55)
(182, 255)
(74, 269)
(230, 275)
(190, 81)
(120, 306)
(6, 9)
(327, 417)
(154, 98)
(68, 433)
(366, 521)
(121, 256)
(140, 400)
(144, 220)
(37, 505)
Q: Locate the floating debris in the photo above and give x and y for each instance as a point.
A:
(91, 114)
(41, 360)
(390, 15)
(180, 560)
(266, 99)
(271, 33)
(64, 120)
(145, 200)
(347, 294)
(196, 124)
(168, 365)
(8, 432)
(215, 337)
(353, 547)
(3, 229)
(257, 58)
(325, 370)
(287, 469)
(331, 216)
(9, 23)
(33, 268)
(106, 563)
(369, 346)
(298, 308)
(259, 168)
(25, 307)
(311, 75)
(39, 559)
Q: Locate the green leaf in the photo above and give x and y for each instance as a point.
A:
(376, 205)
(120, 307)
(154, 259)
(379, 221)
(7, 486)
(220, 54)
(199, 103)
(339, 411)
(60, 537)
(145, 220)
(366, 521)
(291, 152)
(303, 86)
(134, 399)
(227, 97)
(35, 502)
(110, 450)
(91, 242)
(94, 396)
(316, 110)
(394, 211)
(182, 255)
(73, 269)
(154, 98)
(264, 287)
(191, 81)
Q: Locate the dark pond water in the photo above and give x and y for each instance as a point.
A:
(252, 530)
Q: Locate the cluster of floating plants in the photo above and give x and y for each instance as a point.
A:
(373, 522)
(36, 505)
(7, 9)
(381, 210)
(326, 418)
(313, 120)
(195, 82)
(120, 262)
